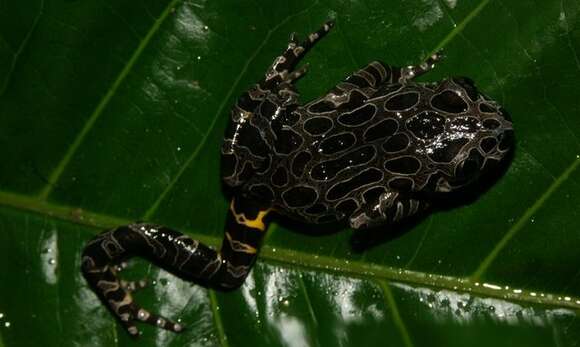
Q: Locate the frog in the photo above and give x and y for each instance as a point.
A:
(369, 153)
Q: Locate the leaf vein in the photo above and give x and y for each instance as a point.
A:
(280, 255)
(59, 169)
(392, 305)
(459, 28)
(540, 72)
(522, 221)
(308, 302)
(572, 48)
(222, 337)
(420, 245)
(23, 44)
(219, 111)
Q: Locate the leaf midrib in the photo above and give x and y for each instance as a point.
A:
(295, 258)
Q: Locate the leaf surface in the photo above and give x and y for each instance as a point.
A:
(114, 111)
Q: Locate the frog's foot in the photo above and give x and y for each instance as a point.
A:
(282, 68)
(116, 293)
(130, 286)
(133, 286)
(136, 313)
(190, 259)
(412, 71)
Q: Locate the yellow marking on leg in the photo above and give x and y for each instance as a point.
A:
(257, 223)
(240, 246)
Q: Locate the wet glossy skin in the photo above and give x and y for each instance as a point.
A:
(366, 152)
(363, 151)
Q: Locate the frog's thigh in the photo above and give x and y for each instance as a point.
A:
(390, 207)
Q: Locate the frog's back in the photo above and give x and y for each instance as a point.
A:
(404, 138)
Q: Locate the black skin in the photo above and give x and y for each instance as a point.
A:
(365, 153)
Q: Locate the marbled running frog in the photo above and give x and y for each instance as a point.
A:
(365, 153)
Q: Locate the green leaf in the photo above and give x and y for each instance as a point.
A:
(114, 111)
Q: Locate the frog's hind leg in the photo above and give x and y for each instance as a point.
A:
(175, 252)
(389, 208)
(99, 269)
(130, 286)
(409, 72)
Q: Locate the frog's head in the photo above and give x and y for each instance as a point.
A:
(477, 133)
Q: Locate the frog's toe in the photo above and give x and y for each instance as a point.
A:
(133, 286)
(297, 74)
(293, 39)
(131, 329)
(120, 267)
(435, 57)
(150, 318)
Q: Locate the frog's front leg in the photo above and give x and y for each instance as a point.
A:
(178, 254)
(409, 72)
(390, 207)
